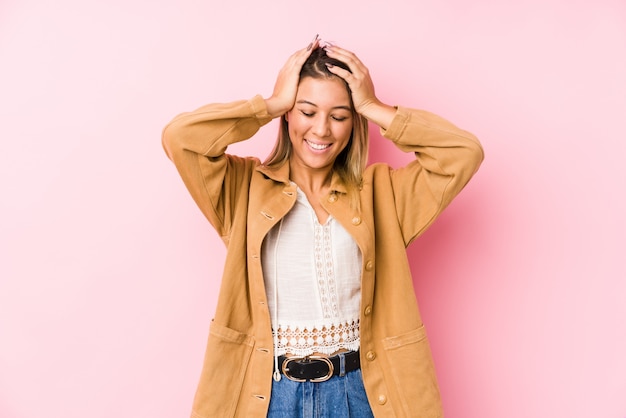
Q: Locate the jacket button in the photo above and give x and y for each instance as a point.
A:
(369, 265)
(332, 198)
(356, 220)
(382, 399)
(370, 355)
(368, 310)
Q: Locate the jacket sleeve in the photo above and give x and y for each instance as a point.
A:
(446, 158)
(196, 142)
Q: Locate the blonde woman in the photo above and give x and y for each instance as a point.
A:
(316, 315)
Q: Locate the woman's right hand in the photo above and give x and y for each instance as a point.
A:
(283, 98)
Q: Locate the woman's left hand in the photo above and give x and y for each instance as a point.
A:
(361, 85)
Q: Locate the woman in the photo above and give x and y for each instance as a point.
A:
(316, 314)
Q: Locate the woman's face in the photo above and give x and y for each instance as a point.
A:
(320, 123)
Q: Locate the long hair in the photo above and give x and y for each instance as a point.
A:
(351, 162)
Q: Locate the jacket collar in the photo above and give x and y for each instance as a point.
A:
(281, 174)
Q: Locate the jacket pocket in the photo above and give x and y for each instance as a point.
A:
(411, 367)
(225, 364)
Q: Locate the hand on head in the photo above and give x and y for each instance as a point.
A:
(286, 87)
(358, 79)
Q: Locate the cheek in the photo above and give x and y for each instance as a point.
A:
(291, 123)
(294, 122)
(343, 132)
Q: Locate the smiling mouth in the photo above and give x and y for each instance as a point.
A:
(318, 147)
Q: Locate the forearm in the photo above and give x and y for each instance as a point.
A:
(210, 129)
(440, 146)
(446, 156)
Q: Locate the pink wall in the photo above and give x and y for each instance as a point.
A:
(108, 272)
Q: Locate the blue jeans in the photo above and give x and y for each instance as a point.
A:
(338, 397)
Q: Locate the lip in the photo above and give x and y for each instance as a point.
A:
(314, 146)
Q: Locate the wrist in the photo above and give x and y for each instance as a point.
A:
(379, 113)
(275, 107)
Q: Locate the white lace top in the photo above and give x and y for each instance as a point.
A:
(313, 282)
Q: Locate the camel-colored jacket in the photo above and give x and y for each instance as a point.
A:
(244, 199)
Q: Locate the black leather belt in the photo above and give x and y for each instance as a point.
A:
(317, 368)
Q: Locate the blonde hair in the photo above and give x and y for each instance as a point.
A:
(351, 162)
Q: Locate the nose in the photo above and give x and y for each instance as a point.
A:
(321, 126)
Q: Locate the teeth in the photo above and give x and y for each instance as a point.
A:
(317, 146)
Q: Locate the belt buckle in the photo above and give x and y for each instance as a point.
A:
(331, 368)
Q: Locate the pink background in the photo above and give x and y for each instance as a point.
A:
(109, 273)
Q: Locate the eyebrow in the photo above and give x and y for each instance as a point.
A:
(348, 108)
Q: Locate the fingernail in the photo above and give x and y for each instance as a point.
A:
(329, 65)
(308, 48)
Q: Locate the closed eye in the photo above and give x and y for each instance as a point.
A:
(311, 114)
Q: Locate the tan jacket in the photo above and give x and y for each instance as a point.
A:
(243, 200)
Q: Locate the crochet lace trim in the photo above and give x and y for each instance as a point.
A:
(324, 339)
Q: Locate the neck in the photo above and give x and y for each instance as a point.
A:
(310, 181)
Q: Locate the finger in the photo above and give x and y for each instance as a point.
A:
(357, 70)
(297, 59)
(338, 71)
(343, 55)
(303, 54)
(315, 40)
